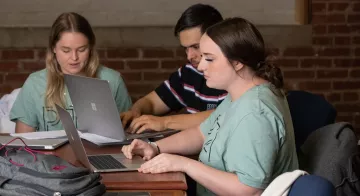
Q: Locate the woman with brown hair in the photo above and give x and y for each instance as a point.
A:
(249, 139)
(71, 50)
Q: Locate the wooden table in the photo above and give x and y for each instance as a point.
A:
(171, 184)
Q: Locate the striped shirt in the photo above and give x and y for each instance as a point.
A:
(186, 88)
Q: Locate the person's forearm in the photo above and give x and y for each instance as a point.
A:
(186, 121)
(151, 104)
(188, 142)
(21, 127)
(219, 182)
(143, 106)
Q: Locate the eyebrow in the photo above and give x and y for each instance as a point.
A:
(65, 47)
(191, 46)
(205, 53)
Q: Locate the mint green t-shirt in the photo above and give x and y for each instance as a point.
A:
(252, 137)
(29, 106)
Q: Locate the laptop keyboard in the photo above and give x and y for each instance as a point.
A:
(105, 162)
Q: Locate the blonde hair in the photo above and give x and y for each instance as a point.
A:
(67, 22)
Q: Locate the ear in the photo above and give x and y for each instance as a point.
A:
(54, 50)
(237, 65)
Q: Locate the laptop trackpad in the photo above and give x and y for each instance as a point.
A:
(135, 162)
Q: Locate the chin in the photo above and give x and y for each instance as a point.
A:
(211, 85)
(73, 72)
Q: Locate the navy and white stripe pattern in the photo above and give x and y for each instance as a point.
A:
(186, 88)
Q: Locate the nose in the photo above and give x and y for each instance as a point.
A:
(190, 54)
(74, 56)
(202, 65)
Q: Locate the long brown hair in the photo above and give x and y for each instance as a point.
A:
(67, 22)
(240, 41)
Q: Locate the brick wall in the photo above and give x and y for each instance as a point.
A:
(330, 67)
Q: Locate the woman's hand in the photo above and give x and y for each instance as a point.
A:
(165, 163)
(141, 148)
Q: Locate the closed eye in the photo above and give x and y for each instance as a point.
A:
(209, 60)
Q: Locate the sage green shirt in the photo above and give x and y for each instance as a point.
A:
(252, 137)
(29, 106)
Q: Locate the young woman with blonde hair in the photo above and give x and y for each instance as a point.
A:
(71, 50)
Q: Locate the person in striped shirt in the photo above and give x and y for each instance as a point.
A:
(186, 88)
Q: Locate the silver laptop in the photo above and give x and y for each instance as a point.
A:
(37, 144)
(98, 163)
(96, 109)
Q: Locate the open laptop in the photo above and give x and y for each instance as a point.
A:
(37, 144)
(96, 109)
(98, 163)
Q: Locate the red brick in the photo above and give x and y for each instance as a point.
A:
(353, 18)
(331, 74)
(357, 51)
(347, 62)
(357, 119)
(333, 97)
(101, 53)
(173, 64)
(319, 40)
(344, 118)
(354, 28)
(273, 51)
(335, 18)
(347, 107)
(339, 29)
(342, 62)
(33, 66)
(306, 63)
(143, 64)
(355, 73)
(318, 19)
(8, 66)
(356, 40)
(342, 40)
(356, 7)
(318, 7)
(337, 7)
(346, 85)
(156, 76)
(16, 77)
(122, 53)
(319, 29)
(314, 85)
(330, 19)
(334, 52)
(351, 96)
(301, 51)
(5, 89)
(114, 64)
(17, 54)
(297, 74)
(180, 52)
(131, 76)
(287, 63)
(41, 54)
(141, 89)
(157, 53)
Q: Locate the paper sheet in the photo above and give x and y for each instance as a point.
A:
(40, 134)
(94, 138)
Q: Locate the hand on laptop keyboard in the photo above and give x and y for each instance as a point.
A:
(146, 123)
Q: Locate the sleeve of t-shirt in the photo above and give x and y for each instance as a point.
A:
(23, 108)
(122, 97)
(252, 149)
(171, 91)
